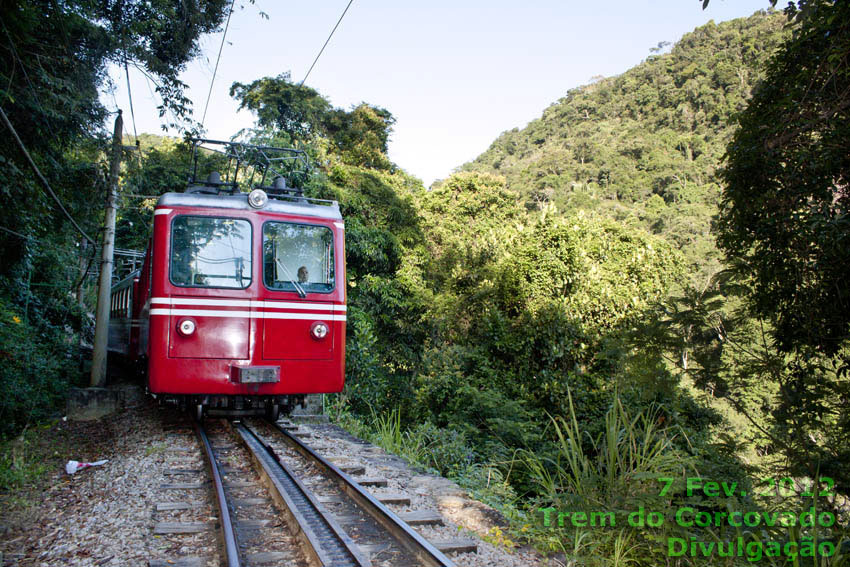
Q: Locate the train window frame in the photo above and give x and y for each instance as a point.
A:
(220, 217)
(263, 261)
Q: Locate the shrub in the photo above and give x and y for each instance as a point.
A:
(36, 369)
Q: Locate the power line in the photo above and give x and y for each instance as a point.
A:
(326, 43)
(159, 88)
(40, 176)
(153, 97)
(220, 48)
(130, 96)
(18, 234)
(133, 115)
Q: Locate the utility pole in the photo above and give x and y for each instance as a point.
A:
(101, 329)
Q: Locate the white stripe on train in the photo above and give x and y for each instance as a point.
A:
(245, 314)
(248, 303)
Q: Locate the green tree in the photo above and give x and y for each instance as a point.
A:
(785, 207)
(297, 114)
(53, 62)
(784, 220)
(282, 105)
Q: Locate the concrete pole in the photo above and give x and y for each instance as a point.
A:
(101, 329)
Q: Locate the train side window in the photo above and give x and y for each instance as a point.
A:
(298, 256)
(210, 252)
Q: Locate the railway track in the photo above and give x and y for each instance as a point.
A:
(281, 503)
(371, 524)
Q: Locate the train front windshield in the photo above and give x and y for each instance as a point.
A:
(211, 252)
(298, 257)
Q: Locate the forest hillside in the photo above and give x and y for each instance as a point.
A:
(645, 147)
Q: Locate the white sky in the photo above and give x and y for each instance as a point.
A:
(455, 74)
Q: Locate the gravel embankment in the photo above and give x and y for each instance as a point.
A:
(105, 516)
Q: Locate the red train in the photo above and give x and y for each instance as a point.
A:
(240, 304)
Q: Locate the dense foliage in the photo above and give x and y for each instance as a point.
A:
(786, 206)
(467, 313)
(645, 147)
(785, 220)
(762, 336)
(52, 70)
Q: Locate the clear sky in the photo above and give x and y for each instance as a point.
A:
(455, 74)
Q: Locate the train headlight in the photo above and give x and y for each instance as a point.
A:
(258, 198)
(319, 330)
(186, 327)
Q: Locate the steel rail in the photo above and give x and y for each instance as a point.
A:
(408, 538)
(323, 540)
(231, 549)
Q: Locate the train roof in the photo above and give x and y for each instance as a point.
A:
(301, 206)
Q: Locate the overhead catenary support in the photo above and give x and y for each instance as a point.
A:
(101, 330)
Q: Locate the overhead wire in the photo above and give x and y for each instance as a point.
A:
(18, 234)
(326, 43)
(41, 177)
(130, 96)
(133, 116)
(215, 71)
(153, 97)
(163, 108)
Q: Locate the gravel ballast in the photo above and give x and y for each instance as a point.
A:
(106, 515)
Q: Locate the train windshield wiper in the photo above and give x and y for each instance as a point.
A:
(301, 293)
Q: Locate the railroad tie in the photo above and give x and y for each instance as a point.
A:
(353, 469)
(348, 519)
(337, 458)
(372, 481)
(239, 484)
(163, 528)
(175, 472)
(373, 548)
(192, 561)
(400, 499)
(268, 557)
(248, 502)
(183, 485)
(335, 499)
(456, 545)
(167, 506)
(251, 524)
(422, 518)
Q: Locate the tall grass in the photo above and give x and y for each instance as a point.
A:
(615, 472)
(387, 432)
(628, 455)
